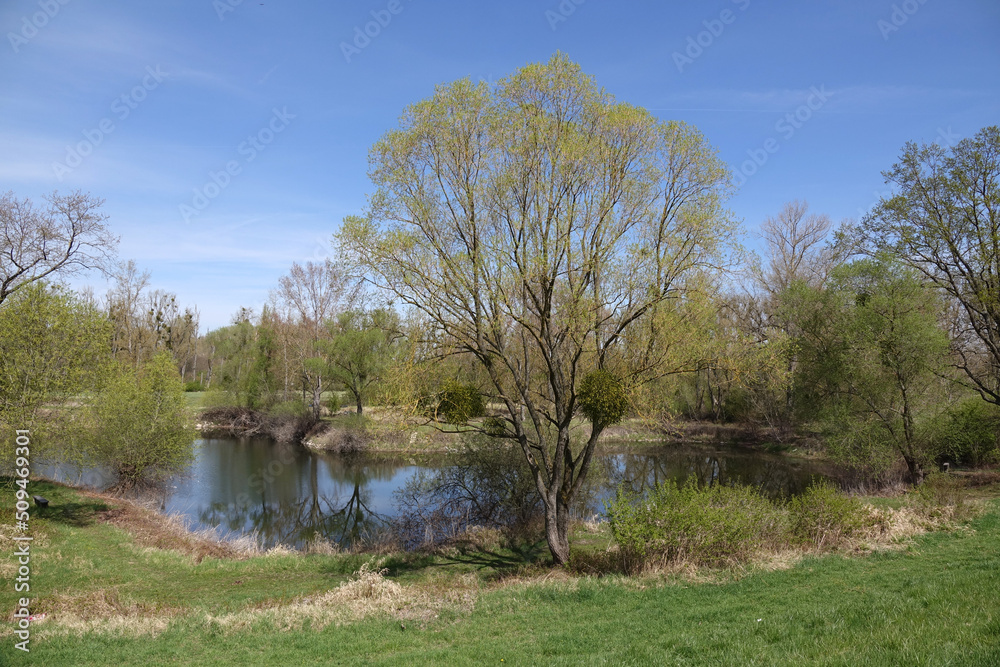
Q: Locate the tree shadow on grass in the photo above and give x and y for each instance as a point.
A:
(489, 564)
(74, 514)
(65, 504)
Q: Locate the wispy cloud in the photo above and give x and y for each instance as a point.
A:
(844, 99)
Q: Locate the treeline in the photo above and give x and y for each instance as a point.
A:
(878, 338)
(808, 339)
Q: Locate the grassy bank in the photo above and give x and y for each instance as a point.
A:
(121, 586)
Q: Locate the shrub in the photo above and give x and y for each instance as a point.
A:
(715, 525)
(142, 428)
(333, 403)
(294, 408)
(942, 496)
(194, 386)
(826, 517)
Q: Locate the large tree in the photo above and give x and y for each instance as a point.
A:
(38, 244)
(944, 221)
(360, 350)
(873, 358)
(796, 250)
(311, 296)
(536, 222)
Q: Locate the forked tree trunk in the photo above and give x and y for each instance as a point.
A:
(557, 528)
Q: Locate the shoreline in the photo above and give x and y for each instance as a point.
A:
(337, 434)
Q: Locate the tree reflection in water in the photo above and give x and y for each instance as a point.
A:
(288, 495)
(774, 476)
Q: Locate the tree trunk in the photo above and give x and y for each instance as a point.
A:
(317, 398)
(915, 469)
(557, 529)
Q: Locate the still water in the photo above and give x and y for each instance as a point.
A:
(286, 494)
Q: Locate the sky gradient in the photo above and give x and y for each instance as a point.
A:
(230, 138)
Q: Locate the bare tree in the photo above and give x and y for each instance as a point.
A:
(123, 305)
(794, 248)
(37, 243)
(313, 293)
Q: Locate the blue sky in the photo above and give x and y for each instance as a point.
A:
(258, 108)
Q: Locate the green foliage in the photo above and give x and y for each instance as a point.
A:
(458, 403)
(494, 426)
(361, 350)
(942, 220)
(825, 517)
(942, 495)
(140, 424)
(602, 398)
(871, 359)
(967, 432)
(518, 218)
(246, 353)
(292, 408)
(333, 403)
(714, 525)
(53, 348)
(193, 386)
(860, 443)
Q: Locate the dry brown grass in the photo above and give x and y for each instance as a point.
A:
(368, 593)
(95, 605)
(151, 529)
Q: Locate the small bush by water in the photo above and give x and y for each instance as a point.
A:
(824, 517)
(714, 525)
(727, 525)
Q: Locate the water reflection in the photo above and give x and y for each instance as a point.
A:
(772, 475)
(285, 494)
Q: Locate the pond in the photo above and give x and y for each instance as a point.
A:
(286, 494)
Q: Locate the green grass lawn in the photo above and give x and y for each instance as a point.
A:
(936, 602)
